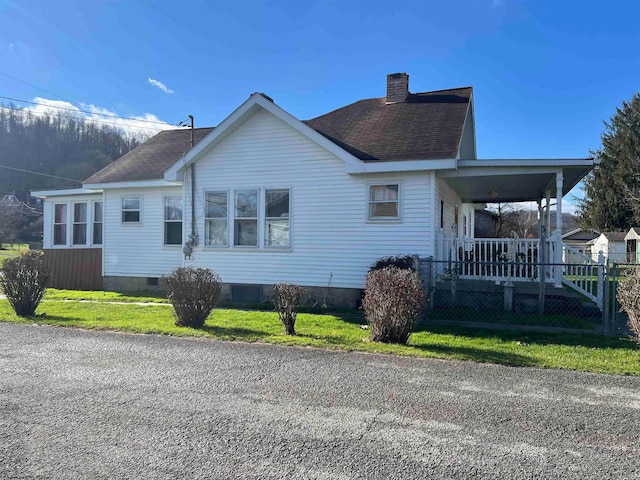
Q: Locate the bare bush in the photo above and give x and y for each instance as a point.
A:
(403, 262)
(194, 293)
(287, 297)
(393, 303)
(24, 280)
(629, 298)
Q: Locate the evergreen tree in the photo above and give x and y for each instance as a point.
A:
(612, 189)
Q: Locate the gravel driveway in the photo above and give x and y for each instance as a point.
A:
(77, 404)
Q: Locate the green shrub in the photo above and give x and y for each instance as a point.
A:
(287, 297)
(24, 280)
(194, 293)
(403, 262)
(629, 298)
(393, 303)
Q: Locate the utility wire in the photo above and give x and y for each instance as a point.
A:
(96, 120)
(82, 111)
(36, 87)
(42, 174)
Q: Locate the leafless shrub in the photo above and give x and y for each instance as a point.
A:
(194, 293)
(24, 280)
(287, 297)
(629, 298)
(393, 303)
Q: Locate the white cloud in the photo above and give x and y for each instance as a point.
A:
(135, 125)
(160, 85)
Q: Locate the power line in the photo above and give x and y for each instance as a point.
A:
(82, 111)
(38, 173)
(34, 86)
(95, 120)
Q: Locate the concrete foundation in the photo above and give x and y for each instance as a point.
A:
(320, 297)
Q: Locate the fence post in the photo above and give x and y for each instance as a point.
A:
(601, 283)
(606, 300)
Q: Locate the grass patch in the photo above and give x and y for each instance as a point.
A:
(11, 250)
(99, 296)
(343, 331)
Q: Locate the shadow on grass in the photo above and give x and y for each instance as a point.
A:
(480, 355)
(236, 332)
(540, 338)
(57, 319)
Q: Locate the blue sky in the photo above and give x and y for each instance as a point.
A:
(545, 74)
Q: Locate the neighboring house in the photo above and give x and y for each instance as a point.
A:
(266, 198)
(580, 239)
(485, 222)
(631, 243)
(612, 246)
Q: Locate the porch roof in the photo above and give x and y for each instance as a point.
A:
(514, 180)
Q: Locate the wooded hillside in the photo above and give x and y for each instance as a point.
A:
(58, 144)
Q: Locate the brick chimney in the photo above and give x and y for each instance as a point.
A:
(397, 87)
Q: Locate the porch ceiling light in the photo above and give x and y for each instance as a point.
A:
(493, 193)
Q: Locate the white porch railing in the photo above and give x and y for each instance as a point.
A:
(583, 274)
(520, 260)
(503, 259)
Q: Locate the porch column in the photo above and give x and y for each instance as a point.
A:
(558, 231)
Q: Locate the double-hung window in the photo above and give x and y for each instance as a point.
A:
(60, 224)
(79, 224)
(131, 210)
(245, 219)
(384, 202)
(216, 222)
(276, 218)
(172, 220)
(97, 223)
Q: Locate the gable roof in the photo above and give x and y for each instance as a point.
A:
(611, 237)
(425, 126)
(149, 160)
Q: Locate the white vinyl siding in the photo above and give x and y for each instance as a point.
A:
(331, 241)
(139, 251)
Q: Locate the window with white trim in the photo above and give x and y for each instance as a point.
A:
(384, 202)
(79, 236)
(60, 224)
(245, 218)
(216, 230)
(97, 223)
(276, 218)
(173, 220)
(130, 209)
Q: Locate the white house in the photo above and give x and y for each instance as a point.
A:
(266, 198)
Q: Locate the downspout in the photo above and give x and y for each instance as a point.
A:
(194, 237)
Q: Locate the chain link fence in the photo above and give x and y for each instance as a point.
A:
(519, 294)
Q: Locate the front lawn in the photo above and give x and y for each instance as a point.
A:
(11, 250)
(590, 353)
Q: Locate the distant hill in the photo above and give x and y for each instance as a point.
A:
(57, 144)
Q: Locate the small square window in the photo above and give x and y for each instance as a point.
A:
(131, 210)
(383, 202)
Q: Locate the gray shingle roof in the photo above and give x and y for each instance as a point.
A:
(149, 160)
(425, 126)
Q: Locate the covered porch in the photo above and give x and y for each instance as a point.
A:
(543, 258)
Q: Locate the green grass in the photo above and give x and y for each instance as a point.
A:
(10, 251)
(99, 296)
(343, 332)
